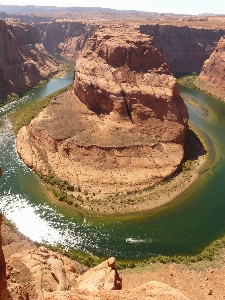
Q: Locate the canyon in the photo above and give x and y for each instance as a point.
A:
(66, 38)
(122, 126)
(23, 59)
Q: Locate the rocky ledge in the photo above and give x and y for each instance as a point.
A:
(212, 76)
(124, 126)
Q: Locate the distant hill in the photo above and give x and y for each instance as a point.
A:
(27, 9)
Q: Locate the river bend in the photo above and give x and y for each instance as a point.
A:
(183, 227)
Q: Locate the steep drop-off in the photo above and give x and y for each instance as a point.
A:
(125, 126)
(65, 37)
(212, 76)
(184, 48)
(23, 59)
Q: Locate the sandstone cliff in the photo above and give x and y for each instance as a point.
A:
(23, 59)
(65, 37)
(212, 76)
(184, 48)
(3, 287)
(125, 127)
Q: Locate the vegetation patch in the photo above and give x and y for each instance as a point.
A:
(209, 254)
(188, 81)
(24, 117)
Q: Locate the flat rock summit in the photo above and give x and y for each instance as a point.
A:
(122, 127)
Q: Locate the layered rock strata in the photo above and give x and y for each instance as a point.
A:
(184, 48)
(65, 37)
(212, 76)
(125, 126)
(23, 59)
(3, 285)
(33, 273)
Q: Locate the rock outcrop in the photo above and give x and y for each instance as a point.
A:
(152, 290)
(65, 37)
(212, 76)
(103, 277)
(33, 273)
(125, 127)
(23, 59)
(3, 285)
(184, 48)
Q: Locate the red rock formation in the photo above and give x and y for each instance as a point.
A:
(65, 37)
(150, 291)
(184, 48)
(33, 273)
(129, 131)
(103, 277)
(3, 286)
(23, 59)
(212, 76)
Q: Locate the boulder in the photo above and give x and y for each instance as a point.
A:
(102, 277)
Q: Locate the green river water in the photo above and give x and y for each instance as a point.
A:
(185, 226)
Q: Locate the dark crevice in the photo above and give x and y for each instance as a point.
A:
(127, 107)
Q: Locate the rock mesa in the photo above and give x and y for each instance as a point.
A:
(123, 128)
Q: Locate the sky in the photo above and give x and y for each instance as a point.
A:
(162, 6)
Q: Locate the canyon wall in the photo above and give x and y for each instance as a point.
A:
(125, 126)
(212, 76)
(23, 59)
(3, 286)
(65, 37)
(184, 48)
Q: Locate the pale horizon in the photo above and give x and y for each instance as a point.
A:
(193, 7)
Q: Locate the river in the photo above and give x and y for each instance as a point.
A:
(185, 226)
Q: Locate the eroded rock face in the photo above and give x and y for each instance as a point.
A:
(102, 277)
(23, 59)
(33, 273)
(65, 37)
(125, 126)
(212, 76)
(184, 48)
(3, 285)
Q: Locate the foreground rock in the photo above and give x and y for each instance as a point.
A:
(33, 273)
(125, 126)
(23, 59)
(152, 290)
(212, 76)
(3, 286)
(102, 277)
